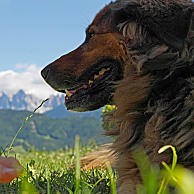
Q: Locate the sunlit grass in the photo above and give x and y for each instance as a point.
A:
(52, 172)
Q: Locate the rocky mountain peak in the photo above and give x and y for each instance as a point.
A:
(22, 101)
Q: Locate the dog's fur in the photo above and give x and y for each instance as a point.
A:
(152, 44)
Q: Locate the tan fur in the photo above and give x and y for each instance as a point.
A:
(99, 158)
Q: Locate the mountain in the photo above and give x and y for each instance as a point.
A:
(54, 107)
(43, 132)
(23, 101)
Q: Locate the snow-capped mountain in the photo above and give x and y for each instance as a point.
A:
(23, 101)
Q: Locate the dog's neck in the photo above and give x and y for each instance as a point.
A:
(151, 109)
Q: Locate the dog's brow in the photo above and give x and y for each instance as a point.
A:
(88, 29)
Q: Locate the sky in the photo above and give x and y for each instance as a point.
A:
(34, 33)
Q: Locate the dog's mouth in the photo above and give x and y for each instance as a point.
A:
(95, 87)
(95, 80)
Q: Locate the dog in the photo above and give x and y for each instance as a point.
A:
(137, 55)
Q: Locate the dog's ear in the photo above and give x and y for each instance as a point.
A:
(166, 20)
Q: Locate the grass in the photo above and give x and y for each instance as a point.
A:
(52, 172)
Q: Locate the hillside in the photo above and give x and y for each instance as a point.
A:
(42, 131)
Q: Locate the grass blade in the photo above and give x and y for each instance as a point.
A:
(24, 122)
(77, 164)
(165, 181)
(111, 174)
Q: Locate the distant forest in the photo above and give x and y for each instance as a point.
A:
(44, 132)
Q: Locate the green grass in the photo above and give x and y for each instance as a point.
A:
(170, 179)
(51, 172)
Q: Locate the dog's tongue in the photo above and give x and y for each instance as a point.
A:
(69, 93)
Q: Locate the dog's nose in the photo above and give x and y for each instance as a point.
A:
(45, 72)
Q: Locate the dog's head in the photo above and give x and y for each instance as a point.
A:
(123, 36)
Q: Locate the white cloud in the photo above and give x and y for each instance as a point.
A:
(28, 80)
(21, 66)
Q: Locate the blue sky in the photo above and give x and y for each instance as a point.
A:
(35, 32)
(38, 31)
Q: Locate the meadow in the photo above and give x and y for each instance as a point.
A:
(52, 172)
(60, 172)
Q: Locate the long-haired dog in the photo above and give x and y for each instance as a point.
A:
(137, 55)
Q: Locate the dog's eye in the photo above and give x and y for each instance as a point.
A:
(90, 34)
